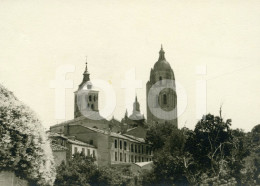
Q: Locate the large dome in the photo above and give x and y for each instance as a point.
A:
(162, 64)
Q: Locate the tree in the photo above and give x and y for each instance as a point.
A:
(253, 160)
(24, 146)
(158, 134)
(171, 161)
(212, 153)
(218, 151)
(210, 142)
(81, 170)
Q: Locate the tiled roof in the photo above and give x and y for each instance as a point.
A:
(141, 164)
(130, 129)
(77, 142)
(81, 118)
(117, 135)
(56, 147)
(142, 140)
(54, 134)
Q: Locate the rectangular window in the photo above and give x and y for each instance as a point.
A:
(121, 157)
(125, 145)
(120, 144)
(83, 151)
(165, 99)
(157, 101)
(94, 154)
(142, 149)
(132, 158)
(125, 157)
(75, 150)
(88, 152)
(139, 159)
(139, 149)
(135, 148)
(115, 156)
(115, 143)
(135, 158)
(132, 147)
(142, 159)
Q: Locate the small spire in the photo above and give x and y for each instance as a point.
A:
(86, 68)
(161, 56)
(136, 105)
(126, 114)
(85, 75)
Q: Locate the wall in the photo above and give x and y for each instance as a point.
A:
(80, 149)
(9, 179)
(144, 157)
(100, 141)
(59, 156)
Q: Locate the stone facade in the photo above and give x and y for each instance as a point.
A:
(64, 147)
(161, 103)
(113, 148)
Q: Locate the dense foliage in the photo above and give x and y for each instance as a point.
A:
(82, 170)
(212, 153)
(24, 146)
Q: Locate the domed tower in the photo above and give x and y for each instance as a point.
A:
(136, 118)
(86, 97)
(136, 115)
(161, 97)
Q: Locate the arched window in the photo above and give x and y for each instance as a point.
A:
(164, 99)
(90, 98)
(160, 79)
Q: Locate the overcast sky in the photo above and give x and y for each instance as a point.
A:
(36, 37)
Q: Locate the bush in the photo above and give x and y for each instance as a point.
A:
(81, 170)
(24, 146)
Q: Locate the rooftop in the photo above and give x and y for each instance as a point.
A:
(77, 142)
(141, 164)
(56, 147)
(81, 118)
(122, 136)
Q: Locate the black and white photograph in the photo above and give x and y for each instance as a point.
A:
(129, 93)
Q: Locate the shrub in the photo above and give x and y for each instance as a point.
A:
(24, 146)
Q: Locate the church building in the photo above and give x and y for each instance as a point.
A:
(118, 142)
(161, 97)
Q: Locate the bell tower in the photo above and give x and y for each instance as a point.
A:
(86, 97)
(161, 97)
